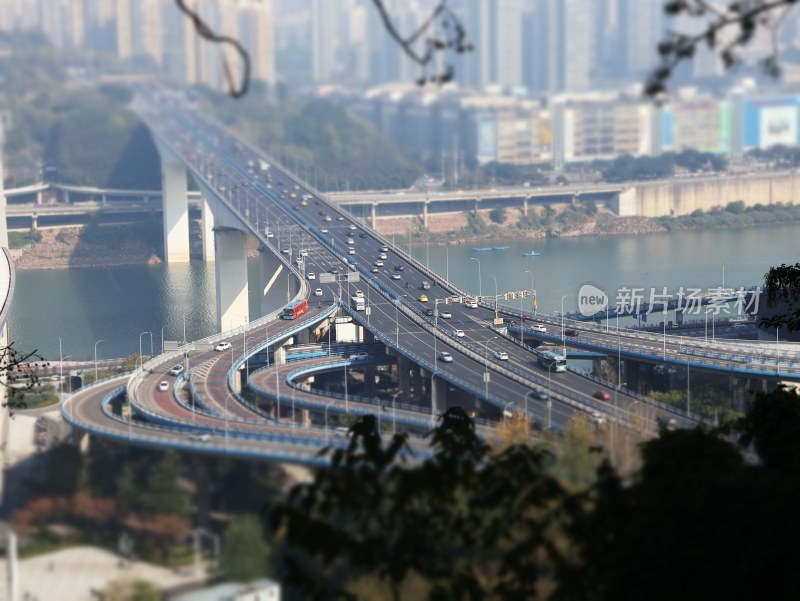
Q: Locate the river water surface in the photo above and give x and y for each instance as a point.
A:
(82, 306)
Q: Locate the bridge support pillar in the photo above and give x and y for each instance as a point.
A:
(176, 212)
(403, 378)
(739, 393)
(632, 377)
(679, 316)
(476, 207)
(369, 381)
(207, 231)
(279, 356)
(231, 279)
(34, 222)
(417, 381)
(202, 484)
(373, 216)
(425, 213)
(39, 197)
(438, 395)
(303, 337)
(525, 206)
(306, 417)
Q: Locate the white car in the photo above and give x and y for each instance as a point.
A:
(539, 328)
(328, 219)
(299, 260)
(311, 276)
(163, 386)
(176, 370)
(324, 230)
(445, 315)
(359, 294)
(351, 251)
(471, 304)
(395, 276)
(458, 333)
(445, 357)
(285, 251)
(303, 253)
(222, 346)
(501, 356)
(350, 241)
(379, 263)
(384, 249)
(318, 292)
(352, 227)
(597, 418)
(270, 235)
(382, 256)
(359, 357)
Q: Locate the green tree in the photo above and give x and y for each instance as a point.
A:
(128, 492)
(128, 589)
(164, 494)
(468, 523)
(245, 554)
(498, 215)
(64, 468)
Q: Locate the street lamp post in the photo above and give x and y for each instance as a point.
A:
(532, 291)
(447, 264)
(184, 328)
(162, 339)
(346, 406)
(396, 323)
(486, 367)
(563, 339)
(60, 371)
(141, 357)
(495, 294)
(326, 419)
(95, 358)
(507, 405)
(480, 285)
(394, 411)
(549, 400)
(527, 394)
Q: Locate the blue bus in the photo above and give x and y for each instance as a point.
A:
(551, 361)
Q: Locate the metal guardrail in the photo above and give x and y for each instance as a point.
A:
(722, 351)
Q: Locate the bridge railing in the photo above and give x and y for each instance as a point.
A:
(729, 347)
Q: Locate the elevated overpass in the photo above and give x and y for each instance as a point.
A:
(309, 234)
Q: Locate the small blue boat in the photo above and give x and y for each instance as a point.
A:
(532, 253)
(482, 249)
(501, 248)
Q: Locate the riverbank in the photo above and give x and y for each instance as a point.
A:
(555, 221)
(67, 248)
(140, 244)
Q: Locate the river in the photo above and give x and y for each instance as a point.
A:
(83, 306)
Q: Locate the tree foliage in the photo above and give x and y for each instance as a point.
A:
(724, 28)
(319, 141)
(245, 554)
(699, 519)
(471, 524)
(782, 287)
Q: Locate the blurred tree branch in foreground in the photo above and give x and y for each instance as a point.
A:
(726, 28)
(440, 32)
